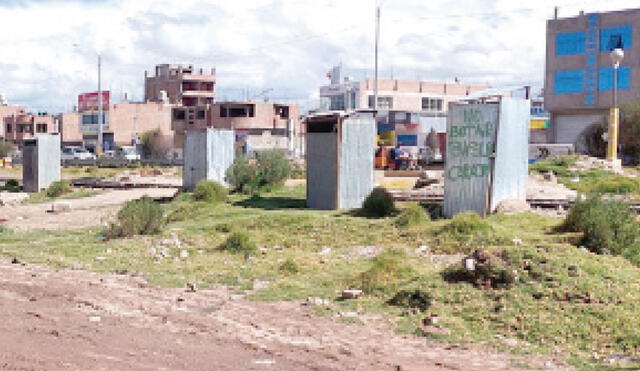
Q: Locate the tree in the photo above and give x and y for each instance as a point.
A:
(6, 148)
(154, 144)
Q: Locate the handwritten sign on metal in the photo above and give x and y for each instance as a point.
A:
(471, 142)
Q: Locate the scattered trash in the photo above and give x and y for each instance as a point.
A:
(351, 293)
(316, 301)
(191, 287)
(431, 319)
(95, 319)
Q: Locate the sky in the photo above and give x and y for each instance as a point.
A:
(49, 48)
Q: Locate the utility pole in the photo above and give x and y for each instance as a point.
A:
(375, 88)
(100, 113)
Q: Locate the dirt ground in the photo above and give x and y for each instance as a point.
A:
(82, 212)
(76, 320)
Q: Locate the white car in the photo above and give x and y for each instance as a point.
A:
(76, 153)
(129, 153)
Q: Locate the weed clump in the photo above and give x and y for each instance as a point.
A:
(386, 271)
(378, 204)
(467, 230)
(608, 227)
(239, 243)
(410, 299)
(243, 175)
(141, 216)
(482, 269)
(412, 216)
(57, 189)
(210, 191)
(559, 165)
(289, 267)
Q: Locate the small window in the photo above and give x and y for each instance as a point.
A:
(41, 128)
(178, 114)
(9, 128)
(383, 102)
(432, 104)
(200, 114)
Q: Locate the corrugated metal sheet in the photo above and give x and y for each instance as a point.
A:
(356, 160)
(41, 162)
(511, 161)
(207, 155)
(470, 142)
(568, 128)
(322, 170)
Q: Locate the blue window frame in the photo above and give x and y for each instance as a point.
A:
(605, 78)
(570, 43)
(611, 36)
(568, 81)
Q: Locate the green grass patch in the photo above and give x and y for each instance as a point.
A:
(561, 298)
(41, 197)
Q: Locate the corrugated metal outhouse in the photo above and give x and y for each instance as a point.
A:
(41, 162)
(208, 153)
(340, 155)
(487, 155)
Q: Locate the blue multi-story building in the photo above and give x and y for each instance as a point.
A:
(579, 72)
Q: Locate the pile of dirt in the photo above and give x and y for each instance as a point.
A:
(546, 187)
(585, 163)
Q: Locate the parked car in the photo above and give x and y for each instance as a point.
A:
(129, 153)
(76, 153)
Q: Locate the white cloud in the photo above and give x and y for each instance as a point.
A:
(287, 45)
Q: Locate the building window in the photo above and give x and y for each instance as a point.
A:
(432, 104)
(568, 81)
(178, 114)
(9, 128)
(336, 103)
(41, 128)
(92, 119)
(605, 78)
(237, 111)
(383, 102)
(569, 43)
(200, 114)
(282, 111)
(613, 37)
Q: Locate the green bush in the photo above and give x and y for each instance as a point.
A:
(289, 267)
(6, 148)
(378, 204)
(12, 185)
(411, 299)
(239, 243)
(273, 168)
(243, 175)
(57, 189)
(386, 271)
(608, 227)
(411, 216)
(141, 216)
(210, 191)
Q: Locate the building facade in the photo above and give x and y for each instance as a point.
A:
(578, 82)
(180, 84)
(259, 125)
(23, 126)
(399, 95)
(8, 110)
(123, 125)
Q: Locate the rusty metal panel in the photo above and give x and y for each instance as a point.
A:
(511, 160)
(471, 130)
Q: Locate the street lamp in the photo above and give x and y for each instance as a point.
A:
(612, 148)
(100, 111)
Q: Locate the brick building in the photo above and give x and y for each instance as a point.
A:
(8, 110)
(180, 84)
(23, 126)
(579, 73)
